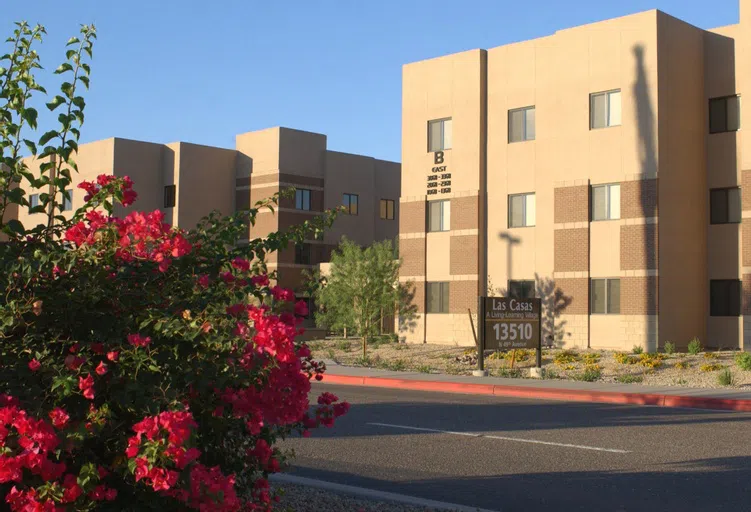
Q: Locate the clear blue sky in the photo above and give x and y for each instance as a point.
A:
(199, 71)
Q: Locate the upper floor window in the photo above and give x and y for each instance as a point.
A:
(302, 199)
(439, 135)
(33, 201)
(606, 296)
(439, 215)
(724, 297)
(605, 109)
(521, 210)
(302, 254)
(725, 205)
(521, 289)
(350, 203)
(724, 114)
(170, 192)
(387, 209)
(606, 202)
(438, 297)
(521, 124)
(67, 199)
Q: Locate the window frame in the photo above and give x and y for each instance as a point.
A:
(734, 298)
(32, 201)
(724, 100)
(388, 202)
(301, 194)
(608, 281)
(525, 224)
(303, 252)
(442, 227)
(66, 203)
(170, 191)
(607, 94)
(727, 216)
(523, 283)
(347, 203)
(442, 147)
(444, 297)
(608, 201)
(524, 111)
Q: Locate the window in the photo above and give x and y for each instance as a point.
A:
(387, 209)
(521, 124)
(33, 201)
(724, 114)
(521, 210)
(302, 254)
(302, 199)
(438, 298)
(439, 135)
(350, 203)
(439, 215)
(604, 109)
(521, 289)
(67, 200)
(606, 202)
(725, 297)
(724, 205)
(169, 196)
(606, 296)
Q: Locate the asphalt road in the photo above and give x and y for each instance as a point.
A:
(514, 454)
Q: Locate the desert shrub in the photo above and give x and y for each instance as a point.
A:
(343, 345)
(629, 379)
(710, 355)
(637, 349)
(566, 357)
(424, 368)
(669, 347)
(651, 360)
(743, 360)
(397, 365)
(624, 358)
(591, 373)
(711, 367)
(694, 346)
(681, 365)
(726, 378)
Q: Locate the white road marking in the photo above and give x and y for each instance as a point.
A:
(502, 438)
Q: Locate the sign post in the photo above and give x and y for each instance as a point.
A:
(509, 323)
(480, 372)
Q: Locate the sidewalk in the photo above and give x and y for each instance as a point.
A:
(664, 396)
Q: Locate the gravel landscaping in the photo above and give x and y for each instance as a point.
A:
(299, 498)
(704, 370)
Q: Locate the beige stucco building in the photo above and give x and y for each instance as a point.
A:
(189, 181)
(599, 168)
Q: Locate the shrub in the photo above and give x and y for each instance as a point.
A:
(591, 358)
(424, 368)
(710, 355)
(591, 373)
(713, 367)
(401, 346)
(624, 358)
(669, 347)
(629, 379)
(397, 365)
(726, 378)
(651, 360)
(550, 374)
(637, 349)
(694, 346)
(343, 345)
(681, 365)
(566, 357)
(512, 373)
(743, 360)
(331, 354)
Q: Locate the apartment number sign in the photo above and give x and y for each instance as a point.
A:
(439, 178)
(511, 323)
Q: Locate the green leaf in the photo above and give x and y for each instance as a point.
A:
(72, 40)
(30, 146)
(30, 116)
(44, 139)
(56, 102)
(62, 68)
(79, 102)
(15, 226)
(84, 80)
(70, 53)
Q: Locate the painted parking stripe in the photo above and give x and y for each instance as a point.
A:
(502, 438)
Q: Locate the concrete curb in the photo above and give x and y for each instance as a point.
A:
(281, 478)
(573, 395)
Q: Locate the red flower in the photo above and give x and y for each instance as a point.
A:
(139, 341)
(71, 489)
(87, 386)
(203, 281)
(34, 365)
(59, 418)
(101, 369)
(142, 468)
(113, 356)
(235, 309)
(241, 264)
(301, 308)
(74, 362)
(282, 294)
(260, 280)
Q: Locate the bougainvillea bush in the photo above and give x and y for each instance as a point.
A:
(142, 367)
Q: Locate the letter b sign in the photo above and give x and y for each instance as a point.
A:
(438, 157)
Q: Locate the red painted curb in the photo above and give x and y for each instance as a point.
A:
(575, 395)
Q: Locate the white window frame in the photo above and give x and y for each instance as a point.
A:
(443, 307)
(33, 201)
(614, 117)
(529, 206)
(447, 127)
(608, 281)
(612, 201)
(66, 200)
(525, 134)
(445, 217)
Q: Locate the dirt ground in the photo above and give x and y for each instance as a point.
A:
(706, 369)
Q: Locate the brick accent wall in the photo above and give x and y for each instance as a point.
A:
(639, 247)
(746, 298)
(412, 252)
(463, 295)
(464, 256)
(418, 299)
(571, 248)
(465, 213)
(745, 188)
(577, 291)
(746, 238)
(639, 295)
(265, 224)
(261, 193)
(639, 199)
(571, 204)
(412, 217)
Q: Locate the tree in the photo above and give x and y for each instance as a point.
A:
(362, 289)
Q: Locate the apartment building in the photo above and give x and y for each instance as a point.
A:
(600, 168)
(188, 181)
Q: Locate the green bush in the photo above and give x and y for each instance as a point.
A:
(669, 347)
(629, 379)
(566, 357)
(624, 358)
(638, 349)
(694, 346)
(591, 374)
(713, 367)
(343, 345)
(397, 365)
(726, 377)
(743, 360)
(424, 368)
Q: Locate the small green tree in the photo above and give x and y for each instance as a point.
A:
(362, 289)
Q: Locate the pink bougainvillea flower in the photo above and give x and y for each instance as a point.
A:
(113, 356)
(59, 418)
(260, 280)
(139, 341)
(301, 308)
(74, 362)
(101, 369)
(241, 264)
(87, 386)
(203, 281)
(34, 365)
(282, 294)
